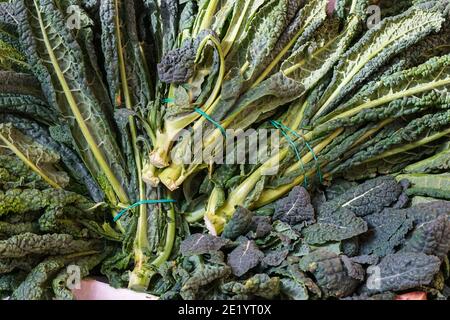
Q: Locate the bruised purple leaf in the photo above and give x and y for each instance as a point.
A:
(296, 208)
(245, 257)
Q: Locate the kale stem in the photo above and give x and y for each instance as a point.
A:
(209, 15)
(170, 239)
(164, 140)
(410, 146)
(195, 216)
(237, 197)
(28, 162)
(170, 175)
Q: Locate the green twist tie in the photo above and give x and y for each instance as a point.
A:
(168, 100)
(203, 114)
(278, 126)
(207, 117)
(139, 203)
(316, 159)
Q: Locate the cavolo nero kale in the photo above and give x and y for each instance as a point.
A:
(45, 229)
(93, 120)
(307, 257)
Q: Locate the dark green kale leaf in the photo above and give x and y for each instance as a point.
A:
(20, 94)
(85, 265)
(336, 226)
(260, 227)
(202, 277)
(401, 271)
(387, 230)
(28, 244)
(198, 244)
(294, 290)
(403, 198)
(14, 173)
(275, 258)
(285, 232)
(260, 285)
(350, 247)
(115, 266)
(330, 272)
(36, 285)
(339, 187)
(439, 162)
(8, 15)
(69, 158)
(294, 282)
(431, 234)
(8, 265)
(9, 282)
(11, 229)
(178, 65)
(367, 198)
(22, 201)
(354, 269)
(239, 224)
(425, 212)
(296, 208)
(245, 257)
(170, 20)
(73, 85)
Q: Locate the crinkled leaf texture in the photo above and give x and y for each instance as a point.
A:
(239, 224)
(28, 243)
(331, 274)
(296, 208)
(244, 258)
(369, 197)
(387, 230)
(72, 85)
(260, 285)
(294, 290)
(202, 277)
(431, 234)
(339, 225)
(275, 258)
(402, 271)
(198, 244)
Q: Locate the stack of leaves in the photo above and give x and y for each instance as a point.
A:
(352, 241)
(361, 118)
(96, 107)
(44, 229)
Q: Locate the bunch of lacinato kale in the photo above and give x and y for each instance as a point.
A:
(101, 107)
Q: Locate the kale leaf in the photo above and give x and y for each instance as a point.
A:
(296, 208)
(339, 225)
(431, 234)
(402, 271)
(331, 274)
(387, 230)
(198, 244)
(239, 224)
(244, 258)
(367, 198)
